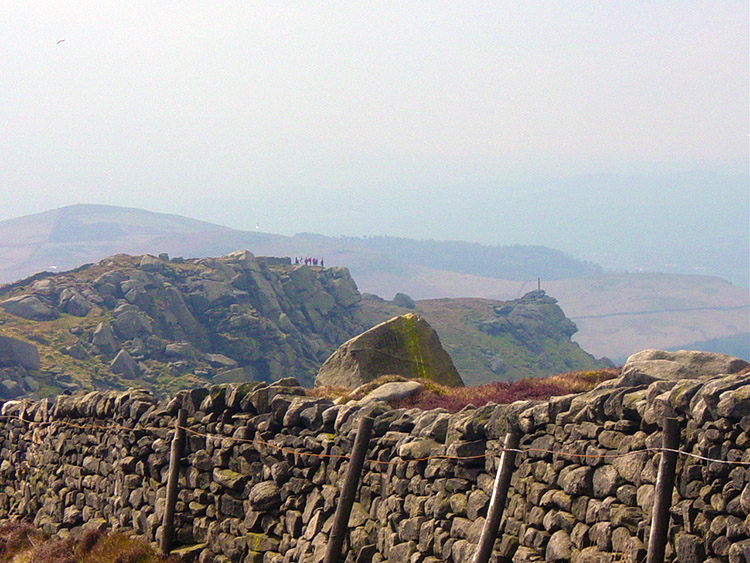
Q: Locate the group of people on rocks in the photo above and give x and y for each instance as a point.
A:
(308, 261)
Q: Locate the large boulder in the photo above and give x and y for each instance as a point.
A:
(405, 345)
(29, 307)
(123, 364)
(652, 365)
(14, 351)
(104, 339)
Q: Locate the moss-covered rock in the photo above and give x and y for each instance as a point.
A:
(405, 345)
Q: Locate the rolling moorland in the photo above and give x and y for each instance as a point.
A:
(616, 313)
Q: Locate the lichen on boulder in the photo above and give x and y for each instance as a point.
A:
(406, 345)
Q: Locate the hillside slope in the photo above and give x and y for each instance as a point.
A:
(617, 314)
(491, 340)
(70, 236)
(167, 324)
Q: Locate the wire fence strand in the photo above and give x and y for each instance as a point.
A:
(283, 449)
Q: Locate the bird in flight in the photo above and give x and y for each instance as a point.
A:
(60, 41)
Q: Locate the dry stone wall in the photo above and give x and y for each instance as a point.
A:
(264, 463)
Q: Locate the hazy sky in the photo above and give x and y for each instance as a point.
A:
(240, 112)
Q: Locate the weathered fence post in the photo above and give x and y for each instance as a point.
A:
(344, 508)
(167, 528)
(499, 496)
(657, 540)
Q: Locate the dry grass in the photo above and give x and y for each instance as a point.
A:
(581, 381)
(22, 543)
(16, 537)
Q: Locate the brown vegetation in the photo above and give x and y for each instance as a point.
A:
(501, 392)
(22, 543)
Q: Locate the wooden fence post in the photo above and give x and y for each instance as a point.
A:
(346, 501)
(167, 527)
(657, 540)
(499, 496)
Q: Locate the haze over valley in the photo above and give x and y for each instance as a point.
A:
(599, 147)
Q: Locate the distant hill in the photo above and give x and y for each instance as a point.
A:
(616, 313)
(70, 236)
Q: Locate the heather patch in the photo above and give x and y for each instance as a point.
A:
(504, 392)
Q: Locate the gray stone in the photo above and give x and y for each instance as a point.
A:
(151, 263)
(651, 365)
(130, 322)
(29, 307)
(734, 404)
(606, 479)
(71, 516)
(15, 351)
(690, 549)
(392, 391)
(228, 478)
(221, 361)
(73, 303)
(576, 481)
(264, 496)
(10, 389)
(104, 339)
(124, 365)
(558, 547)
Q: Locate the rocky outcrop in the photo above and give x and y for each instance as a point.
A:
(29, 307)
(261, 318)
(405, 345)
(18, 359)
(123, 364)
(530, 318)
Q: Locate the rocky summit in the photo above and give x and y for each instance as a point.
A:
(405, 345)
(166, 324)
